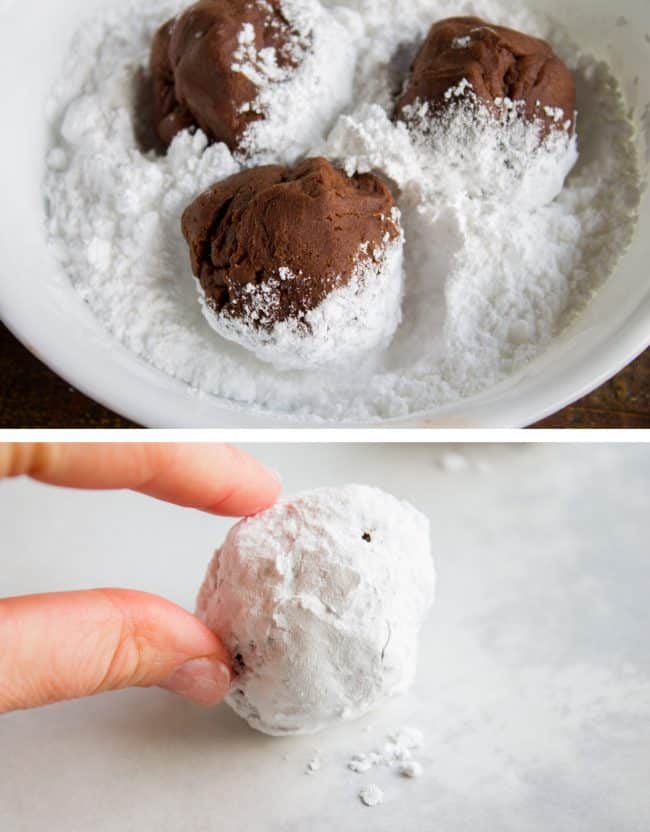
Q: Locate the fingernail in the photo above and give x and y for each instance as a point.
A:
(206, 681)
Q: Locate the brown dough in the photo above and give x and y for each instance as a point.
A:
(311, 219)
(498, 62)
(191, 64)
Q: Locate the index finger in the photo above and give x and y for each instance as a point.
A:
(219, 479)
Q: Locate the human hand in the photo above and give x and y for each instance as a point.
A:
(68, 645)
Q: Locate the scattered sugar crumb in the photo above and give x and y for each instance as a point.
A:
(371, 795)
(360, 763)
(314, 765)
(453, 463)
(411, 769)
(410, 738)
(396, 750)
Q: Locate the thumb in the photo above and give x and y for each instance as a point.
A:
(73, 644)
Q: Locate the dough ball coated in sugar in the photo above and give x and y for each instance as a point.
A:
(320, 601)
(302, 265)
(254, 74)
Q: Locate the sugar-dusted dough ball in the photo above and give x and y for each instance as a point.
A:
(491, 112)
(302, 265)
(320, 601)
(192, 65)
(254, 74)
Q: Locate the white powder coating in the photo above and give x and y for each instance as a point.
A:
(352, 320)
(298, 103)
(320, 601)
(470, 151)
(371, 795)
(489, 281)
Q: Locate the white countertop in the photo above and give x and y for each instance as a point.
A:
(534, 683)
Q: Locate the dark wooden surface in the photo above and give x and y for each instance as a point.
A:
(31, 396)
(624, 402)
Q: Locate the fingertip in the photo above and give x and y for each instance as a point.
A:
(274, 490)
(257, 489)
(219, 479)
(205, 681)
(69, 645)
(267, 487)
(167, 628)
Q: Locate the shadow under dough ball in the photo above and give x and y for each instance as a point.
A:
(499, 63)
(192, 61)
(272, 245)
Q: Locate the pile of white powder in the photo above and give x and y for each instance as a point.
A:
(396, 753)
(493, 272)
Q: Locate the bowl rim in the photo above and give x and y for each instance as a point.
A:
(163, 406)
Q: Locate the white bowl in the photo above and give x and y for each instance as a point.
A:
(38, 304)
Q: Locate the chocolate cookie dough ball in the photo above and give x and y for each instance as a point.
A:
(501, 65)
(302, 265)
(250, 73)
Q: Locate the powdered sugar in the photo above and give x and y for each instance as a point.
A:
(298, 100)
(468, 151)
(411, 769)
(396, 752)
(371, 795)
(493, 271)
(314, 765)
(354, 319)
(461, 43)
